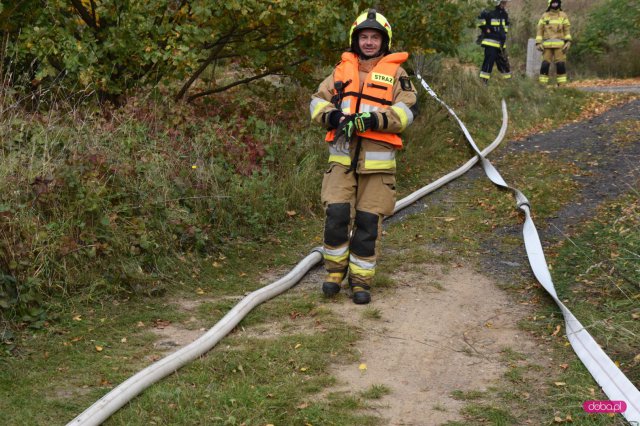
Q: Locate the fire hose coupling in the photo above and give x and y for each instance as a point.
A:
(521, 200)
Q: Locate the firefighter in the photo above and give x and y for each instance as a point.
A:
(365, 104)
(553, 39)
(494, 26)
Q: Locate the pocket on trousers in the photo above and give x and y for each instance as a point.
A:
(389, 182)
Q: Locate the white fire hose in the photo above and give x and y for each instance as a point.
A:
(612, 381)
(129, 389)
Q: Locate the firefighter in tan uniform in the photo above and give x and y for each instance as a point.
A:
(364, 104)
(553, 39)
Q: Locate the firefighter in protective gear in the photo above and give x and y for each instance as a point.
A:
(494, 26)
(364, 104)
(553, 39)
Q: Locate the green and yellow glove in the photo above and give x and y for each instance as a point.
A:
(354, 123)
(365, 121)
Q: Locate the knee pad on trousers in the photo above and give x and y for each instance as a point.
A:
(336, 227)
(364, 239)
(561, 68)
(544, 68)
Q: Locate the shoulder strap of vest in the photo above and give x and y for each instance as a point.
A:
(396, 58)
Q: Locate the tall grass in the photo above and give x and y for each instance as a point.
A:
(92, 201)
(99, 201)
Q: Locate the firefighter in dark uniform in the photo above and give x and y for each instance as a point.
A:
(494, 26)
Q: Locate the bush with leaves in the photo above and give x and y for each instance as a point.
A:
(610, 26)
(608, 44)
(111, 46)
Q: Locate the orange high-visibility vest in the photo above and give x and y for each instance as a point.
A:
(377, 91)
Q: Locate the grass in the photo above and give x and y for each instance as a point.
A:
(595, 271)
(602, 291)
(598, 270)
(375, 392)
(128, 226)
(488, 414)
(371, 313)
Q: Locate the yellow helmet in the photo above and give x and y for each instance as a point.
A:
(374, 21)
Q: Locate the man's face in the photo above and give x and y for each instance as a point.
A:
(554, 4)
(370, 42)
(503, 4)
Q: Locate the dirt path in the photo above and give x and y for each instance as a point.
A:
(431, 340)
(447, 329)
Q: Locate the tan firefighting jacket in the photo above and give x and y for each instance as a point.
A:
(554, 29)
(375, 155)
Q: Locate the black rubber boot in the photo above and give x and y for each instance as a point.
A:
(360, 293)
(361, 297)
(331, 284)
(330, 289)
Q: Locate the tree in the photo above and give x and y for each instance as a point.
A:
(115, 45)
(610, 26)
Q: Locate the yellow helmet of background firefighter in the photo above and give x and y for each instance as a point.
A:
(374, 21)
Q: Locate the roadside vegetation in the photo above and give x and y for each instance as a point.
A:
(124, 214)
(595, 270)
(148, 233)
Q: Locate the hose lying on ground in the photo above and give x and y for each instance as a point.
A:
(612, 380)
(129, 389)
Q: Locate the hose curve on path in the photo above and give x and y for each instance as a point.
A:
(136, 384)
(610, 378)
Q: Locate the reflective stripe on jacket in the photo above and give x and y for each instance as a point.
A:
(494, 25)
(554, 29)
(377, 93)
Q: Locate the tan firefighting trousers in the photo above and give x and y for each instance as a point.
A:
(557, 56)
(355, 204)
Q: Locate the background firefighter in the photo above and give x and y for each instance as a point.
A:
(494, 26)
(553, 39)
(365, 103)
